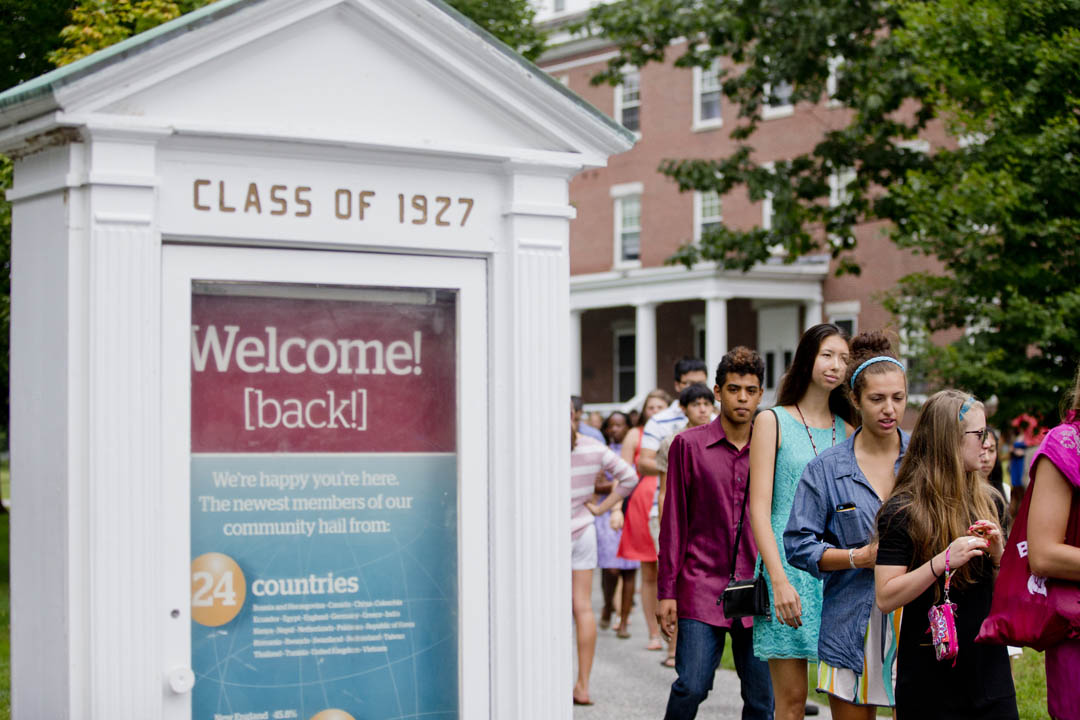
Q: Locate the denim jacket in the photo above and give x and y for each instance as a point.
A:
(835, 507)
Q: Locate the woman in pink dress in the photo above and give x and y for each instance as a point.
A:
(1056, 468)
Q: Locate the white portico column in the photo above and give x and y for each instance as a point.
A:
(716, 341)
(813, 313)
(575, 352)
(645, 349)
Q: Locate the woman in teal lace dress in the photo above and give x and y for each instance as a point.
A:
(810, 415)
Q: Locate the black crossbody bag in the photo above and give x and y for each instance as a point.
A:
(747, 597)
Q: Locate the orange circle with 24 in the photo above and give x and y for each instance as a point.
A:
(218, 589)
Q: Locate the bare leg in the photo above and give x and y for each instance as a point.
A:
(846, 711)
(585, 623)
(789, 688)
(609, 578)
(626, 603)
(672, 644)
(648, 603)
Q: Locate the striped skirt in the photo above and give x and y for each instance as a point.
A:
(876, 684)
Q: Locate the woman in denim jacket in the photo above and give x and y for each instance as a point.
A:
(830, 530)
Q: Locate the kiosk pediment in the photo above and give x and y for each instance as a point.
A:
(403, 73)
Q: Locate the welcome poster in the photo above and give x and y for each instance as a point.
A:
(323, 503)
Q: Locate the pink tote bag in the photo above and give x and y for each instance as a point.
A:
(1030, 610)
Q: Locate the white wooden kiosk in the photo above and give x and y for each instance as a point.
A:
(290, 292)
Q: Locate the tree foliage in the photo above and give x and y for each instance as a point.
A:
(1000, 210)
(512, 21)
(97, 24)
(30, 31)
(995, 211)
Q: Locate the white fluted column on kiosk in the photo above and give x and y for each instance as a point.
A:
(575, 352)
(645, 349)
(716, 339)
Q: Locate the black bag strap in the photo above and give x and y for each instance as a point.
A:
(746, 497)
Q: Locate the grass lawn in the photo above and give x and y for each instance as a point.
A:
(1029, 675)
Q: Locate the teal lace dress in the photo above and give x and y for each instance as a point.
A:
(773, 639)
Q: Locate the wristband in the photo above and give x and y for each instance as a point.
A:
(851, 558)
(932, 567)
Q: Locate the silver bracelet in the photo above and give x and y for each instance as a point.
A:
(851, 558)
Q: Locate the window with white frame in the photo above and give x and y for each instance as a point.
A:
(625, 363)
(917, 145)
(628, 101)
(832, 82)
(768, 216)
(697, 322)
(708, 213)
(844, 315)
(767, 204)
(912, 341)
(627, 211)
(838, 186)
(777, 100)
(707, 97)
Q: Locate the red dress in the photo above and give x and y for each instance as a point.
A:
(637, 542)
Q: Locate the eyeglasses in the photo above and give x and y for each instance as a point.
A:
(983, 434)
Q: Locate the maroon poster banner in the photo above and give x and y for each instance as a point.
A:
(317, 375)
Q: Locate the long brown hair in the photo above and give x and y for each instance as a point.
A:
(940, 497)
(797, 379)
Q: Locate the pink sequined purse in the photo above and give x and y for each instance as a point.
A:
(943, 623)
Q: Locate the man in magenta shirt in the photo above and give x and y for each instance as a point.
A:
(708, 471)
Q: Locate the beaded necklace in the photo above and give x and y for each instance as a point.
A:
(810, 435)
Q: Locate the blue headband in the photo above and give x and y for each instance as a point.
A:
(871, 361)
(965, 407)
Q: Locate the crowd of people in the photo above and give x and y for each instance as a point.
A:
(870, 552)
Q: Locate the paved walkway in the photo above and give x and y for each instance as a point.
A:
(628, 682)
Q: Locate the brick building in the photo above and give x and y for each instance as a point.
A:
(632, 316)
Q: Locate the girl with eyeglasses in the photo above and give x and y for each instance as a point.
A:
(943, 518)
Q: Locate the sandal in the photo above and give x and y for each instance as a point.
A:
(668, 662)
(655, 643)
(622, 634)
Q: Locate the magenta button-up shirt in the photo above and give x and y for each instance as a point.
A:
(706, 483)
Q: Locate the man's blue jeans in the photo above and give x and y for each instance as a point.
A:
(697, 655)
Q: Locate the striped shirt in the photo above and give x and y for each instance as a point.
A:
(587, 459)
(663, 424)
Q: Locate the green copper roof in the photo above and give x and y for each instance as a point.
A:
(44, 84)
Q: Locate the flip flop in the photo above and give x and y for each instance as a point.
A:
(622, 634)
(655, 644)
(582, 702)
(668, 662)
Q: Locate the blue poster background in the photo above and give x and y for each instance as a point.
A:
(408, 567)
